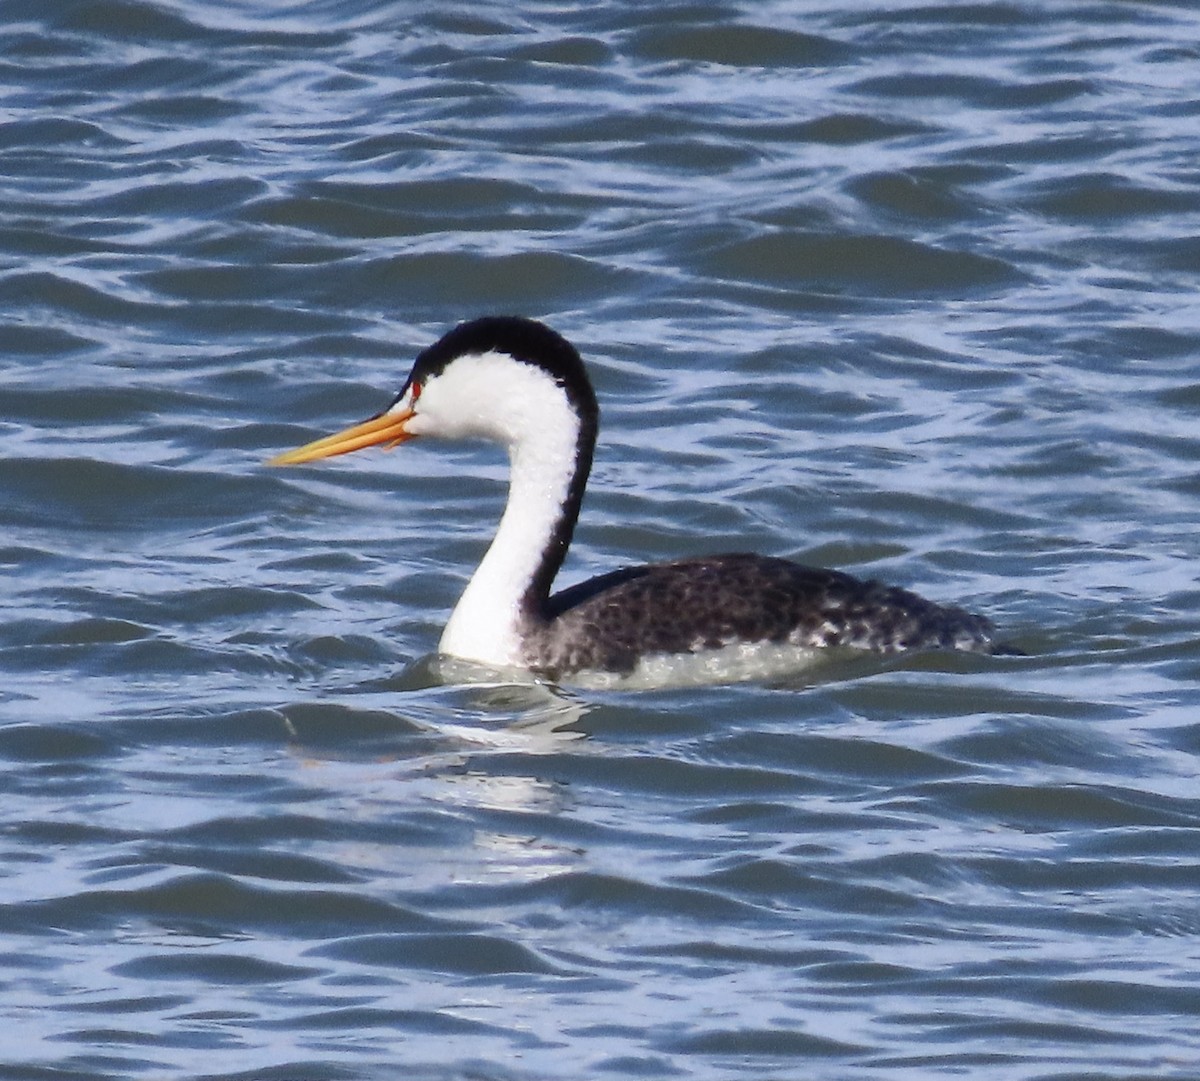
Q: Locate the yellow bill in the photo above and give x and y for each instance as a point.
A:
(386, 429)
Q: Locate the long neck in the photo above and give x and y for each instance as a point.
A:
(551, 459)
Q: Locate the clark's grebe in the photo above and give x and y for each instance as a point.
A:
(517, 382)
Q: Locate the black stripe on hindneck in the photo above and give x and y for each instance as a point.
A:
(537, 595)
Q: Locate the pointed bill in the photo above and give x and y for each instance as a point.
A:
(387, 429)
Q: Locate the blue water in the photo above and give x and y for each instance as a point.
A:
(908, 289)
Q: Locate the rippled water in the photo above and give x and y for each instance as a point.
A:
(908, 289)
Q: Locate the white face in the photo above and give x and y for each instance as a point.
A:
(488, 395)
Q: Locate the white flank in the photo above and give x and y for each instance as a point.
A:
(730, 664)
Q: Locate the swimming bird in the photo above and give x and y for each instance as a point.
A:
(715, 618)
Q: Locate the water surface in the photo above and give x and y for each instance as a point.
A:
(908, 289)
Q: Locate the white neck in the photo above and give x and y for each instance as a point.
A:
(530, 414)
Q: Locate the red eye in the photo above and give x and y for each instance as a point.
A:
(416, 391)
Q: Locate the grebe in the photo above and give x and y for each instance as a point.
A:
(519, 383)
